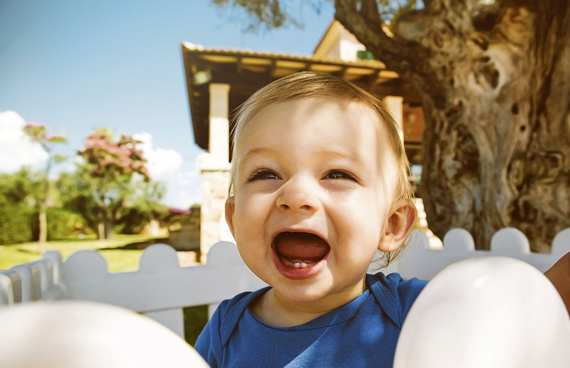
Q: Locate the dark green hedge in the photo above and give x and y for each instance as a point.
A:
(16, 223)
(19, 224)
(195, 319)
(64, 224)
(132, 222)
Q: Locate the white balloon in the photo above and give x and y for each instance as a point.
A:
(75, 334)
(486, 312)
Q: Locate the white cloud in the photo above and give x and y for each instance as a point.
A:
(166, 165)
(183, 189)
(162, 163)
(16, 149)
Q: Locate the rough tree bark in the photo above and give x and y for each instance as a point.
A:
(494, 77)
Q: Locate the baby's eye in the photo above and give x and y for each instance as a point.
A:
(337, 174)
(263, 174)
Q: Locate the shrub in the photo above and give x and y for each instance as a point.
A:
(16, 223)
(64, 224)
(133, 221)
(195, 318)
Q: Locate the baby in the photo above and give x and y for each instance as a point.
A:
(319, 183)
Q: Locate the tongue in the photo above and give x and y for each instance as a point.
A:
(301, 246)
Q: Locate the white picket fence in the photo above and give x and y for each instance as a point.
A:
(160, 288)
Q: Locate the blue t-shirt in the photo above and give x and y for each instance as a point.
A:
(362, 333)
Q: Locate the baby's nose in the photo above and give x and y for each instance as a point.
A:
(297, 195)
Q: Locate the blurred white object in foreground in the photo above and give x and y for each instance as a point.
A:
(88, 335)
(486, 312)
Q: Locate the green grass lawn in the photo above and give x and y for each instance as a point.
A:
(118, 260)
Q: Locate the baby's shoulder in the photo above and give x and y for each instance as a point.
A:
(229, 311)
(234, 302)
(396, 283)
(396, 293)
(218, 329)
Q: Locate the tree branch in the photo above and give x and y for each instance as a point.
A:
(368, 30)
(408, 58)
(371, 13)
(432, 5)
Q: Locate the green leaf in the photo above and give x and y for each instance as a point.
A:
(57, 139)
(59, 158)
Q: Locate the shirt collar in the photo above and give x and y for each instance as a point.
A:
(386, 297)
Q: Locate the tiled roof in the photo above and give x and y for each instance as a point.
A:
(282, 56)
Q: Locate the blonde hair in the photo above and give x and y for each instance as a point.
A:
(310, 84)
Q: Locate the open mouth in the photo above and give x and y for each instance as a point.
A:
(298, 254)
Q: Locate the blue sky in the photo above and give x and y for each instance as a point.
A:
(77, 65)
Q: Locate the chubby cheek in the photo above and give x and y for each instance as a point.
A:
(249, 220)
(359, 232)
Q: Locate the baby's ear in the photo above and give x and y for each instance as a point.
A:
(399, 223)
(230, 208)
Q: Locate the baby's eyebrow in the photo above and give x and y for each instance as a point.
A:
(340, 153)
(336, 152)
(256, 151)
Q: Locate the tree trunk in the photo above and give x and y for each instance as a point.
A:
(108, 229)
(497, 107)
(44, 202)
(101, 233)
(104, 230)
(496, 152)
(42, 224)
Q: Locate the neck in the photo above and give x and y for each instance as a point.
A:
(276, 310)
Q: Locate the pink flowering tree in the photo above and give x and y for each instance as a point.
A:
(38, 134)
(106, 178)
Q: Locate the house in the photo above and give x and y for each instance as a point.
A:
(219, 80)
(183, 229)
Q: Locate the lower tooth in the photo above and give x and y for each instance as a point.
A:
(299, 264)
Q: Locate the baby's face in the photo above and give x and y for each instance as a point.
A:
(314, 183)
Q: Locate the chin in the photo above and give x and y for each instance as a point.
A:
(302, 293)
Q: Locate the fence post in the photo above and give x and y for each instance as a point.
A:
(6, 289)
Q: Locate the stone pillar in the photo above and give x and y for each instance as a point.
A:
(219, 123)
(394, 105)
(215, 169)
